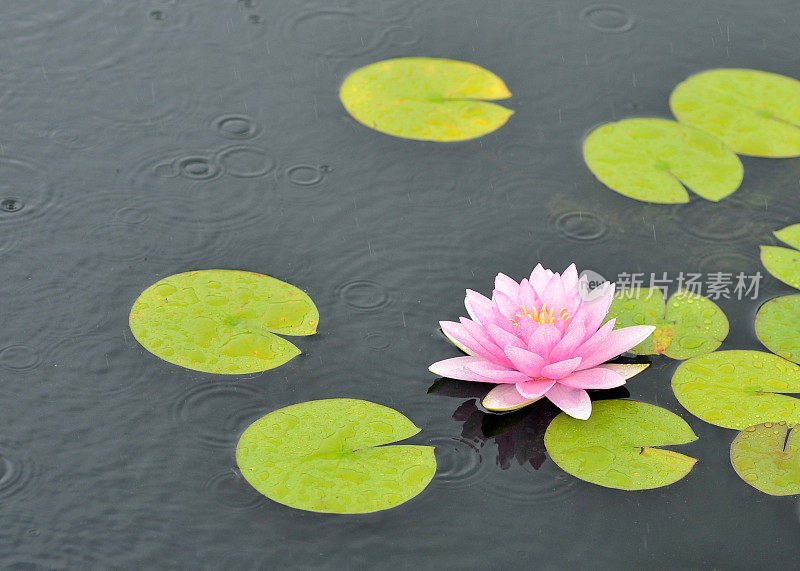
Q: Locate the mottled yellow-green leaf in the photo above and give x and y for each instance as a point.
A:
(615, 447)
(783, 263)
(767, 456)
(686, 325)
(222, 321)
(426, 98)
(328, 456)
(737, 389)
(789, 235)
(655, 160)
(755, 112)
(778, 326)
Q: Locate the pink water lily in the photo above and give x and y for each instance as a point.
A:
(539, 338)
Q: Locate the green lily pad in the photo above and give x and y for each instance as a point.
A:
(654, 159)
(755, 112)
(767, 456)
(778, 326)
(737, 389)
(327, 456)
(614, 447)
(784, 263)
(222, 321)
(686, 325)
(426, 99)
(789, 235)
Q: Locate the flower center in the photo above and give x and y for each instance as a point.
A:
(541, 316)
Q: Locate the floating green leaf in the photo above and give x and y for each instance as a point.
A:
(686, 325)
(614, 448)
(653, 159)
(222, 321)
(327, 456)
(789, 235)
(737, 389)
(767, 456)
(755, 112)
(426, 98)
(505, 397)
(784, 263)
(778, 326)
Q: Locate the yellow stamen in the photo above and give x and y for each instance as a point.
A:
(542, 315)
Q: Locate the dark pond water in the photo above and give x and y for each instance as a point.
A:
(142, 139)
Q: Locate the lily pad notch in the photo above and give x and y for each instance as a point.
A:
(767, 456)
(335, 456)
(426, 99)
(617, 446)
(656, 160)
(222, 321)
(740, 388)
(687, 324)
(756, 113)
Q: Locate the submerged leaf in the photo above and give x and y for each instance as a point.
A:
(614, 447)
(686, 325)
(778, 326)
(222, 321)
(653, 159)
(426, 98)
(737, 389)
(755, 112)
(767, 456)
(327, 456)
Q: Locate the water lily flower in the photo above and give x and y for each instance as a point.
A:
(540, 338)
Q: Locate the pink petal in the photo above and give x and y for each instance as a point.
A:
(571, 340)
(529, 363)
(508, 286)
(505, 397)
(570, 280)
(597, 378)
(456, 368)
(575, 402)
(496, 372)
(617, 343)
(479, 307)
(543, 339)
(527, 297)
(554, 295)
(490, 349)
(504, 322)
(535, 389)
(460, 338)
(503, 338)
(593, 312)
(506, 304)
(539, 278)
(560, 369)
(463, 340)
(597, 339)
(525, 327)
